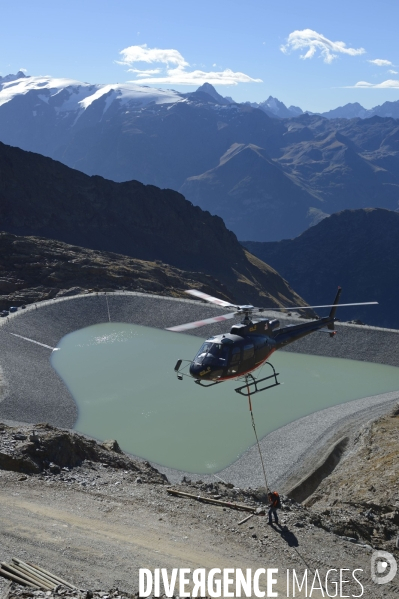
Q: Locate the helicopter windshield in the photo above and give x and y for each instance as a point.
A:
(212, 353)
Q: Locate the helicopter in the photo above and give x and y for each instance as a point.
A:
(236, 355)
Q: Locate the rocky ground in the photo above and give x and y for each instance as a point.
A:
(33, 269)
(14, 590)
(99, 518)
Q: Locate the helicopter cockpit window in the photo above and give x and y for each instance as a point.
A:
(212, 353)
(205, 347)
(248, 351)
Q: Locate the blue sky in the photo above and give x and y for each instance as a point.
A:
(314, 54)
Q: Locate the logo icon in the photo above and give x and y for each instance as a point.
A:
(383, 567)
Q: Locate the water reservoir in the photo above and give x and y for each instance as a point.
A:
(121, 377)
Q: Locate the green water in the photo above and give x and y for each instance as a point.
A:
(121, 377)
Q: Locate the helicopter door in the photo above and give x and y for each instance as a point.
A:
(249, 351)
(235, 360)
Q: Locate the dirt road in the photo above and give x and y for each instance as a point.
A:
(99, 535)
(99, 543)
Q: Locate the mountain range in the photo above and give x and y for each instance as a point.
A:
(42, 197)
(268, 178)
(357, 249)
(277, 109)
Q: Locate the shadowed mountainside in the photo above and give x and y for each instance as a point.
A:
(246, 187)
(357, 249)
(41, 197)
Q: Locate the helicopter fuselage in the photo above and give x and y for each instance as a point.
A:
(246, 347)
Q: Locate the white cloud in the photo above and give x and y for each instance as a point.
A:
(144, 71)
(134, 54)
(23, 70)
(175, 69)
(380, 62)
(388, 84)
(392, 72)
(182, 77)
(310, 40)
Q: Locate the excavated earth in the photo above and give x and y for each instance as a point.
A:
(94, 516)
(366, 508)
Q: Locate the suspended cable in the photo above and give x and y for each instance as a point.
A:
(109, 316)
(256, 437)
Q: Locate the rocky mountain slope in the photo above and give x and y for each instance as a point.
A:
(356, 110)
(33, 269)
(357, 249)
(312, 166)
(365, 507)
(41, 197)
(248, 178)
(274, 108)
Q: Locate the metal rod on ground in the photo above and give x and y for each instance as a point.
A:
(19, 579)
(15, 578)
(45, 582)
(9, 572)
(38, 575)
(245, 519)
(14, 571)
(235, 506)
(42, 584)
(57, 578)
(50, 578)
(256, 436)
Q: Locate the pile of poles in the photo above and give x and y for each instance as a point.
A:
(32, 576)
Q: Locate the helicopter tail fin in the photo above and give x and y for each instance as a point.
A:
(330, 326)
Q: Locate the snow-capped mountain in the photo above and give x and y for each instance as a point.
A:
(19, 75)
(68, 95)
(71, 96)
(275, 108)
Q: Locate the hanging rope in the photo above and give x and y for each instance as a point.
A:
(109, 315)
(256, 436)
(301, 557)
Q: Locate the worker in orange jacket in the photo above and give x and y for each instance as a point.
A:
(275, 504)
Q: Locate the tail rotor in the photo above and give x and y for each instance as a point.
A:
(333, 310)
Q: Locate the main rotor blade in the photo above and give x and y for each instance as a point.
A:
(200, 323)
(326, 306)
(210, 298)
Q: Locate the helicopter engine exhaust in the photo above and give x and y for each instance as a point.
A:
(273, 324)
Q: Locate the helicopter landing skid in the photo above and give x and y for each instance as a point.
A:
(204, 384)
(251, 383)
